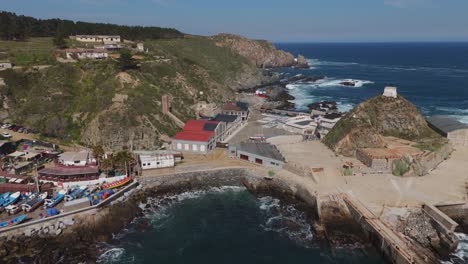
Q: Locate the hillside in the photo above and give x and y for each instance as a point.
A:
(379, 116)
(92, 102)
(261, 52)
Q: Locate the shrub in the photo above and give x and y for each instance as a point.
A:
(401, 166)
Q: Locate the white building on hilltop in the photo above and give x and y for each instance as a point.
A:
(390, 91)
(98, 38)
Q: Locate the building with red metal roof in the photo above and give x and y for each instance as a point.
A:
(199, 136)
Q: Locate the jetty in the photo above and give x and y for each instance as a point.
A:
(398, 249)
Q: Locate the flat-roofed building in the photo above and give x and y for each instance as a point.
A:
(81, 54)
(238, 108)
(264, 154)
(454, 130)
(327, 122)
(233, 122)
(98, 38)
(303, 125)
(81, 158)
(156, 161)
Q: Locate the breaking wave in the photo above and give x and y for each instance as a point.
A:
(457, 113)
(287, 221)
(112, 255)
(461, 253)
(330, 82)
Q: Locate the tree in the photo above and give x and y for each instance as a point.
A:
(60, 35)
(98, 153)
(122, 161)
(126, 61)
(106, 165)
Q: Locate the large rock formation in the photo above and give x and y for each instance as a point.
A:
(367, 123)
(261, 52)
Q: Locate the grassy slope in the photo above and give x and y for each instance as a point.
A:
(35, 51)
(65, 98)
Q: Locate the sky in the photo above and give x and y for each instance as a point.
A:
(274, 20)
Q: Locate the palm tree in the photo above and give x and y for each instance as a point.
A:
(106, 165)
(98, 153)
(123, 160)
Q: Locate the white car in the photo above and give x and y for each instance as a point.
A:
(6, 135)
(6, 126)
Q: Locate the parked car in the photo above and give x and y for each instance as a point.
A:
(6, 126)
(6, 135)
(15, 129)
(21, 130)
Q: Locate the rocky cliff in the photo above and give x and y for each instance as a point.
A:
(367, 123)
(261, 52)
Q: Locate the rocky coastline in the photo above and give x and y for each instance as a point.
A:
(79, 242)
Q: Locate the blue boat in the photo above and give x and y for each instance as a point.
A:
(75, 194)
(15, 208)
(14, 221)
(49, 203)
(34, 202)
(4, 196)
(11, 199)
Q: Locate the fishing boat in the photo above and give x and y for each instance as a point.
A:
(16, 208)
(34, 203)
(4, 196)
(11, 199)
(116, 184)
(75, 194)
(49, 203)
(12, 222)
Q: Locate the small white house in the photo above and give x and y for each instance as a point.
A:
(149, 162)
(5, 65)
(98, 38)
(81, 158)
(390, 91)
(81, 54)
(140, 47)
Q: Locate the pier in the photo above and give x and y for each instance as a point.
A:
(397, 248)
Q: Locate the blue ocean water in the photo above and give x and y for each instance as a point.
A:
(226, 225)
(433, 76)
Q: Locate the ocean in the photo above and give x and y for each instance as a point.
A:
(433, 76)
(226, 225)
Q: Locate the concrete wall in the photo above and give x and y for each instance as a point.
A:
(266, 162)
(459, 137)
(447, 224)
(193, 146)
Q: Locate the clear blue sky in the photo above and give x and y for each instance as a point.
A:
(275, 20)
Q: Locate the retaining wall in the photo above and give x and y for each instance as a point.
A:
(446, 224)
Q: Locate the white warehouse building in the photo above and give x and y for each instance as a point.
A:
(149, 162)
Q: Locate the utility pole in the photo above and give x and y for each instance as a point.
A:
(36, 178)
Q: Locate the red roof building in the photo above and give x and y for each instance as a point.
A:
(199, 136)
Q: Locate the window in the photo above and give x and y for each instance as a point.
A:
(179, 145)
(195, 147)
(186, 146)
(202, 148)
(157, 163)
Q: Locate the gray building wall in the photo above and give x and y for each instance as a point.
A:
(195, 147)
(267, 162)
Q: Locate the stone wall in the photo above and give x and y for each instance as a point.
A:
(423, 165)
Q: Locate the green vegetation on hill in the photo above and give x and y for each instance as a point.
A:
(95, 103)
(34, 51)
(379, 116)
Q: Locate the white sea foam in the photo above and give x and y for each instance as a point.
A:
(461, 253)
(110, 256)
(317, 62)
(286, 220)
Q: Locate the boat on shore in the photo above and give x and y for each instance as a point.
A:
(13, 221)
(34, 203)
(116, 184)
(4, 196)
(11, 199)
(75, 194)
(16, 208)
(49, 203)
